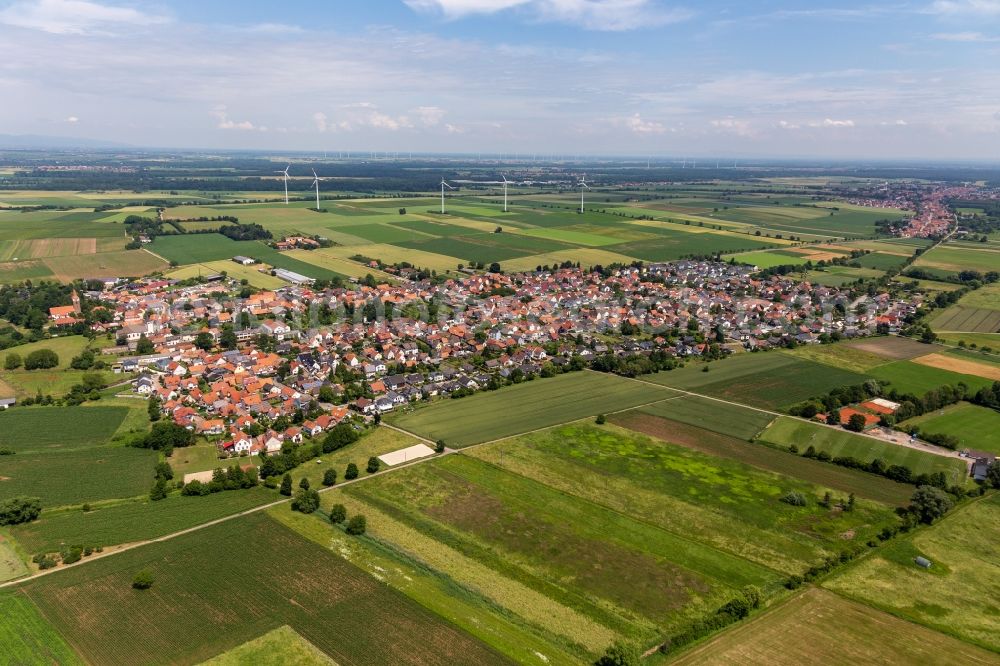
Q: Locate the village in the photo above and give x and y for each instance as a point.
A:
(285, 365)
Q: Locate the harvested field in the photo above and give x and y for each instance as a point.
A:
(963, 318)
(893, 347)
(960, 365)
(818, 627)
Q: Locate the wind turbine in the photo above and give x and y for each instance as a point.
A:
(505, 182)
(444, 185)
(316, 180)
(583, 185)
(285, 172)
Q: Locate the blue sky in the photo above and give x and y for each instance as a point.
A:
(644, 77)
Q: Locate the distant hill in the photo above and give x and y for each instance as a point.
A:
(42, 141)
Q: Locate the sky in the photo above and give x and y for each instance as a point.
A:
(658, 78)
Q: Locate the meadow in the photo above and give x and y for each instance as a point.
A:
(722, 504)
(975, 427)
(787, 431)
(721, 417)
(231, 583)
(58, 429)
(624, 573)
(952, 258)
(818, 627)
(767, 458)
(916, 378)
(957, 595)
(278, 647)
(511, 410)
(77, 475)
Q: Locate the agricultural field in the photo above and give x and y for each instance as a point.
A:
(132, 520)
(976, 428)
(278, 647)
(77, 475)
(787, 431)
(818, 627)
(629, 575)
(957, 595)
(65, 347)
(913, 377)
(952, 258)
(28, 638)
(978, 365)
(838, 276)
(212, 603)
(976, 312)
(512, 410)
(847, 357)
(58, 429)
(767, 458)
(891, 347)
(721, 417)
(768, 380)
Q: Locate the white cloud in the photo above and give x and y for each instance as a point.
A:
(74, 16)
(610, 15)
(226, 123)
(429, 115)
(72, 120)
(454, 129)
(965, 7)
(319, 119)
(894, 123)
(636, 124)
(829, 122)
(733, 126)
(963, 37)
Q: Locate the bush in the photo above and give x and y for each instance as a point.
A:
(143, 580)
(357, 525)
(439, 446)
(352, 472)
(620, 654)
(41, 359)
(340, 436)
(13, 361)
(373, 465)
(338, 514)
(17, 510)
(286, 485)
(601, 420)
(794, 498)
(929, 503)
(305, 501)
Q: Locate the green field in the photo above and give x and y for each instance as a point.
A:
(957, 595)
(818, 627)
(202, 248)
(720, 417)
(130, 521)
(765, 379)
(27, 638)
(973, 320)
(627, 574)
(65, 348)
(765, 457)
(278, 647)
(909, 377)
(231, 583)
(786, 431)
(77, 475)
(951, 258)
(842, 356)
(975, 427)
(56, 429)
(515, 409)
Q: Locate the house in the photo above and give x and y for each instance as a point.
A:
(144, 385)
(7, 402)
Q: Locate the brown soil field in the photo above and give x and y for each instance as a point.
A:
(895, 348)
(942, 362)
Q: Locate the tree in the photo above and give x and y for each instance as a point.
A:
(833, 418)
(305, 501)
(439, 446)
(159, 490)
(165, 436)
(228, 338)
(304, 483)
(373, 465)
(929, 503)
(143, 580)
(17, 510)
(41, 359)
(330, 477)
(13, 361)
(144, 346)
(856, 423)
(620, 654)
(204, 340)
(993, 473)
(286, 485)
(338, 514)
(357, 525)
(494, 267)
(601, 419)
(153, 408)
(352, 472)
(340, 436)
(850, 503)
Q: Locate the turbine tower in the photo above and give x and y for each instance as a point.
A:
(444, 185)
(285, 173)
(505, 182)
(583, 186)
(316, 180)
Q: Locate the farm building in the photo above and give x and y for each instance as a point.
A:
(244, 261)
(922, 562)
(292, 276)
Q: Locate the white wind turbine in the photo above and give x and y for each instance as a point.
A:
(285, 173)
(315, 183)
(505, 182)
(444, 185)
(583, 186)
